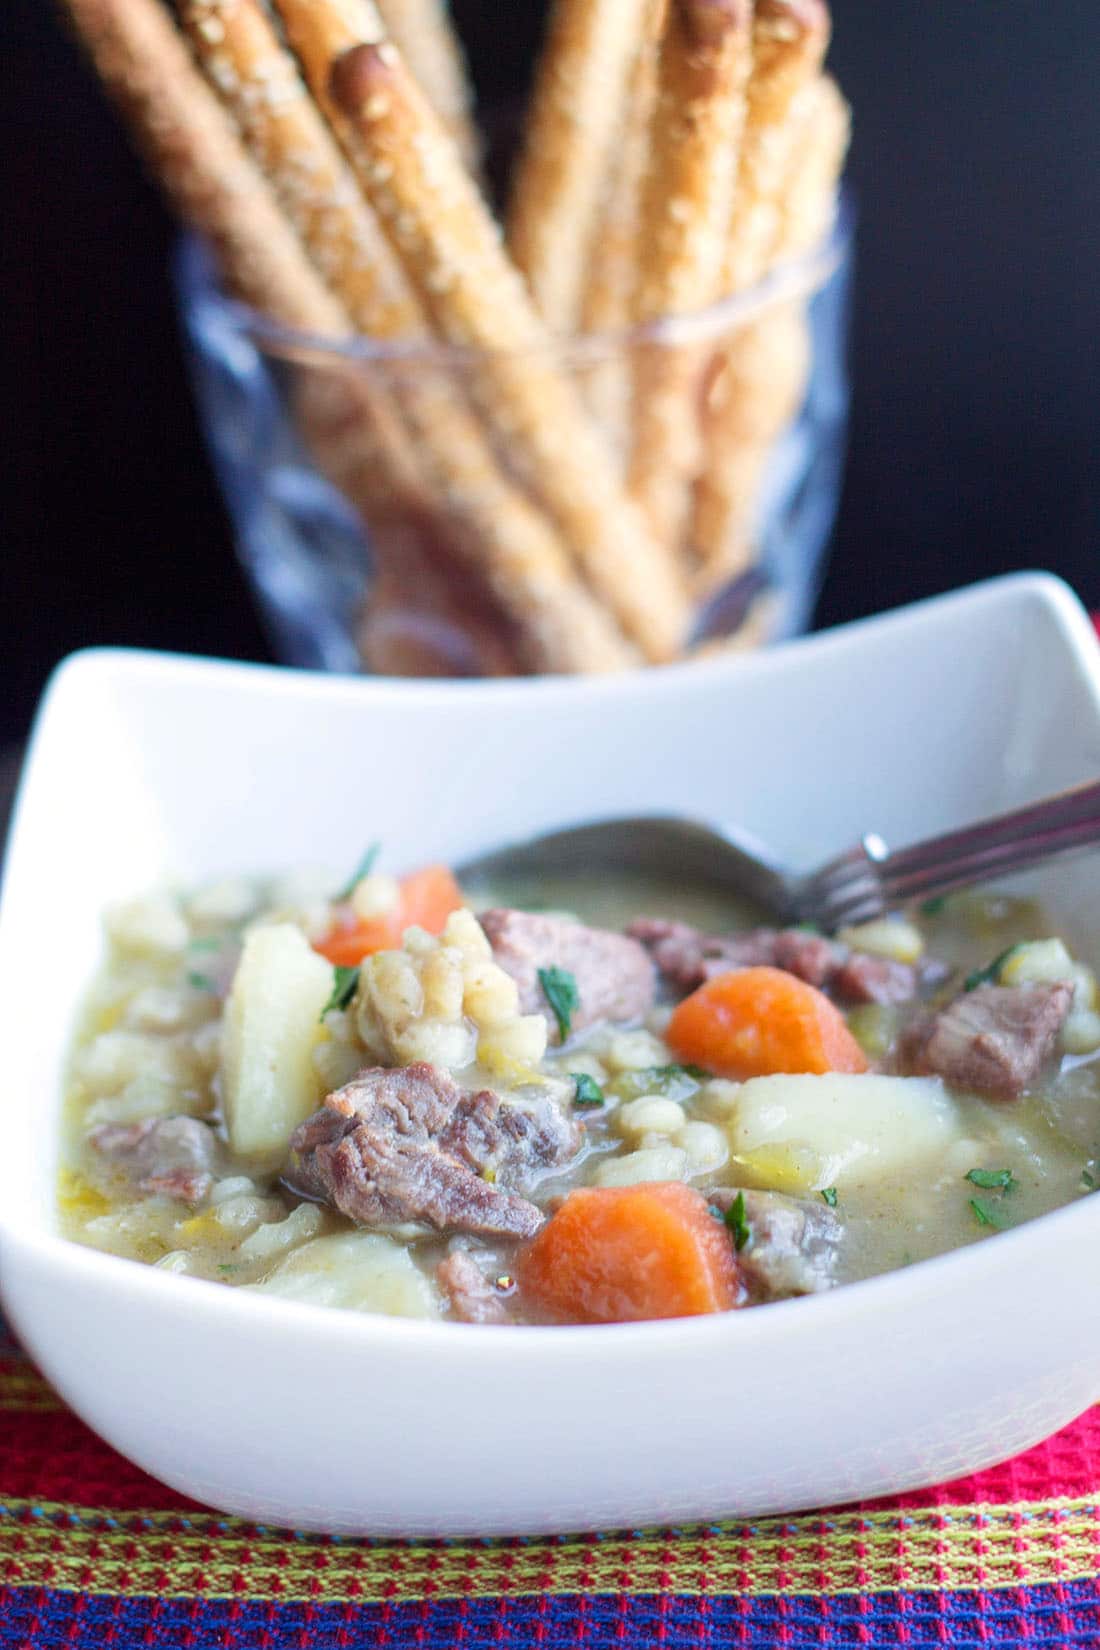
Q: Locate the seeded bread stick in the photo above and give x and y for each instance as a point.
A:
(790, 38)
(193, 147)
(687, 204)
(576, 118)
(423, 33)
(613, 253)
(452, 253)
(764, 373)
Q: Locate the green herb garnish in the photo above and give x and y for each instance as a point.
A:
(934, 907)
(829, 1195)
(993, 1180)
(344, 983)
(559, 987)
(737, 1221)
(988, 975)
(363, 869)
(1088, 1180)
(807, 928)
(986, 1214)
(205, 942)
(228, 1268)
(202, 982)
(587, 1092)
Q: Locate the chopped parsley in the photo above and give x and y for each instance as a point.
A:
(737, 1221)
(587, 1091)
(993, 1180)
(363, 869)
(934, 907)
(201, 982)
(559, 987)
(990, 974)
(205, 942)
(987, 1214)
(344, 983)
(829, 1195)
(226, 1268)
(1088, 1180)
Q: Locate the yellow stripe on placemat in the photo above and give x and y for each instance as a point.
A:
(203, 1556)
(22, 1387)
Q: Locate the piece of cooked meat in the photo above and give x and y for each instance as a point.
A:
(472, 1297)
(615, 977)
(993, 1040)
(687, 958)
(408, 1144)
(793, 1245)
(176, 1156)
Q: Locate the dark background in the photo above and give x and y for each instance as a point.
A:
(975, 446)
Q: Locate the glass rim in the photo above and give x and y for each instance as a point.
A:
(796, 278)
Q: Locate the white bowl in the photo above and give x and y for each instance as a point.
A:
(145, 765)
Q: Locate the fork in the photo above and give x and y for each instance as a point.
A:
(863, 883)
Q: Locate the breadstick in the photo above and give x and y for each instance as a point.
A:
(198, 155)
(790, 38)
(191, 144)
(764, 369)
(577, 114)
(451, 251)
(613, 253)
(687, 204)
(789, 42)
(422, 32)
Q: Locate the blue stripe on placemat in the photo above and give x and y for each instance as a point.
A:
(1043, 1618)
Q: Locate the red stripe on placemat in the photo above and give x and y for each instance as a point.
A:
(49, 1455)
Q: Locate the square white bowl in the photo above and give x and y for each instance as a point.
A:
(145, 766)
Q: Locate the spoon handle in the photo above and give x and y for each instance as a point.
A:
(871, 879)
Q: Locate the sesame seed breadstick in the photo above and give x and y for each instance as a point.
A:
(790, 38)
(613, 254)
(687, 204)
(767, 364)
(258, 80)
(576, 116)
(425, 37)
(452, 253)
(193, 147)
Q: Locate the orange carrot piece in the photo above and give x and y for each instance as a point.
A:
(754, 1022)
(427, 899)
(622, 1254)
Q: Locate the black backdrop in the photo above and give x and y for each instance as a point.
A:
(976, 353)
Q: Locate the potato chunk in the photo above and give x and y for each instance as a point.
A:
(272, 1024)
(360, 1271)
(803, 1133)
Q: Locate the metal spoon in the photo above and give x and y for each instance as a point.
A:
(865, 882)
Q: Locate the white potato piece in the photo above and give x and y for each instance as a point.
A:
(272, 1025)
(803, 1133)
(360, 1271)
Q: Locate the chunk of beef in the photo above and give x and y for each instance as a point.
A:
(473, 1298)
(409, 1144)
(992, 1040)
(687, 958)
(793, 1245)
(615, 977)
(176, 1156)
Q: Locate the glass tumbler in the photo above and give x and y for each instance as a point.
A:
(367, 482)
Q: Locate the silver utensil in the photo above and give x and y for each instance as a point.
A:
(865, 882)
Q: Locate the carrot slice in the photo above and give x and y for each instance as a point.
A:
(427, 899)
(754, 1022)
(620, 1254)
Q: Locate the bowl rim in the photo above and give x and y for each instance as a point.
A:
(963, 1267)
